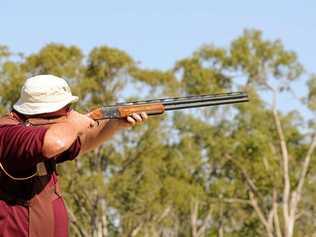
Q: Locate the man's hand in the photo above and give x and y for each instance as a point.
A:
(132, 120)
(80, 121)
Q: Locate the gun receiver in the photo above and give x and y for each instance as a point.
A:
(159, 106)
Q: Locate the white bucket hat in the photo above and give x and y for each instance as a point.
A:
(44, 94)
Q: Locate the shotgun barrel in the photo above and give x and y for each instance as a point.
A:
(159, 106)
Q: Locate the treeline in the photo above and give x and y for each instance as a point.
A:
(241, 170)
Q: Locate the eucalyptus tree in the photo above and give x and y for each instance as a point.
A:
(242, 170)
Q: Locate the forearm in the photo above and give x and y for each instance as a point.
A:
(94, 137)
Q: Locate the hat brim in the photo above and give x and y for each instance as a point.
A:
(29, 108)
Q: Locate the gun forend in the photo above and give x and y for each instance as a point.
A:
(116, 112)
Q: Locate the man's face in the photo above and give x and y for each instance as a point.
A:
(59, 113)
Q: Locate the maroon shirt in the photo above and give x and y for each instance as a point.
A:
(20, 151)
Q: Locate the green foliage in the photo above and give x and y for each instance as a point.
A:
(311, 100)
(196, 78)
(55, 59)
(4, 51)
(260, 58)
(106, 71)
(12, 77)
(157, 79)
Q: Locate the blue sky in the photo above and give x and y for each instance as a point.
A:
(157, 33)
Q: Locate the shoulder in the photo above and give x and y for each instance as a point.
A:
(21, 128)
(21, 136)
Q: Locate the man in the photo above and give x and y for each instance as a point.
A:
(39, 132)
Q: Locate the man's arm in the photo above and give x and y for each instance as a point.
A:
(94, 137)
(60, 136)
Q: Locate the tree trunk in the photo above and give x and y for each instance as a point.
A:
(104, 222)
(194, 214)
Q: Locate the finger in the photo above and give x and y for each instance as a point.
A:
(144, 115)
(94, 124)
(137, 117)
(131, 120)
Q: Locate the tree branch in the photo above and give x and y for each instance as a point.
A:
(233, 200)
(285, 158)
(275, 214)
(194, 213)
(74, 222)
(205, 222)
(297, 194)
(260, 214)
(249, 181)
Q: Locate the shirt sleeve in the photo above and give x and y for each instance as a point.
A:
(21, 146)
(71, 153)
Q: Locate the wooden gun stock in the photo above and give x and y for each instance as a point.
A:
(125, 111)
(150, 109)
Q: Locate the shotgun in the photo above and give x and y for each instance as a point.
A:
(159, 106)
